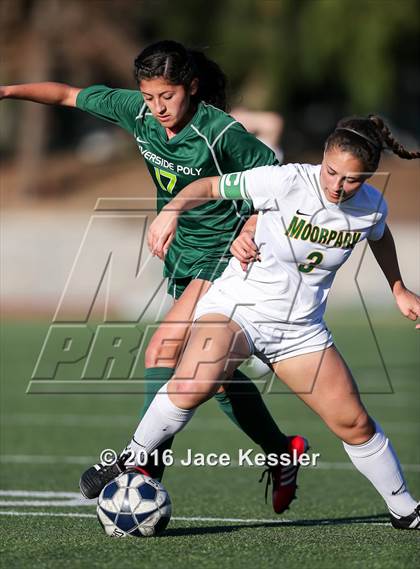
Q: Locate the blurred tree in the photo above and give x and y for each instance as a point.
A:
(354, 41)
(70, 41)
(312, 60)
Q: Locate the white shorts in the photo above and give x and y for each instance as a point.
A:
(269, 341)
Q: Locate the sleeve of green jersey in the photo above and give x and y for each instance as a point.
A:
(119, 106)
(240, 150)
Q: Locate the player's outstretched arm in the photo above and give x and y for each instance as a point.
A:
(163, 229)
(385, 254)
(48, 93)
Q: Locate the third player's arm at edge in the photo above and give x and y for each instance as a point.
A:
(244, 247)
(386, 257)
(48, 93)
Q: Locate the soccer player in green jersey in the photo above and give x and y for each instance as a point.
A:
(178, 121)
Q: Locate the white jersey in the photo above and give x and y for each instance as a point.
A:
(303, 240)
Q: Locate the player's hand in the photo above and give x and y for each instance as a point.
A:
(409, 304)
(245, 249)
(161, 232)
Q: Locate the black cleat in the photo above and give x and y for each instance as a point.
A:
(95, 478)
(406, 522)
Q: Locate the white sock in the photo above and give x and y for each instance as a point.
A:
(376, 459)
(161, 421)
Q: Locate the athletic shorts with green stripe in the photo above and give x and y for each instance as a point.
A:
(211, 144)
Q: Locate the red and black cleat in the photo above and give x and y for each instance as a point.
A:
(284, 478)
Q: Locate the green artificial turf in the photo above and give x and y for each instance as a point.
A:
(338, 520)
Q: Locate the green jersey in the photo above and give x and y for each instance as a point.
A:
(211, 144)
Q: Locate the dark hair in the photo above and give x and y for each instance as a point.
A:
(179, 66)
(365, 138)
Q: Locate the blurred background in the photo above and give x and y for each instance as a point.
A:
(310, 61)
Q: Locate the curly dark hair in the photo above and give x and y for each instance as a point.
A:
(179, 66)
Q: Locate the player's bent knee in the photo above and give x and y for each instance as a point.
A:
(189, 393)
(155, 356)
(151, 356)
(360, 430)
(356, 430)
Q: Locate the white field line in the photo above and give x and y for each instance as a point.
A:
(75, 500)
(86, 460)
(39, 494)
(204, 424)
(52, 514)
(179, 518)
(48, 498)
(39, 503)
(46, 459)
(80, 420)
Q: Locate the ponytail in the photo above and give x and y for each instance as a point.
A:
(390, 142)
(211, 80)
(365, 138)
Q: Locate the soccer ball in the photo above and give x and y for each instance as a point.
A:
(134, 505)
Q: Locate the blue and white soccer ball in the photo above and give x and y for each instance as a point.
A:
(134, 505)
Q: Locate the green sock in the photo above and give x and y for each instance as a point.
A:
(243, 404)
(155, 378)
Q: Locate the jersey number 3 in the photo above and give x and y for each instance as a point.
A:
(312, 260)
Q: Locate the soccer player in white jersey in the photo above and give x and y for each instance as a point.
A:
(310, 219)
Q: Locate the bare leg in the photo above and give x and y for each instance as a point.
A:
(165, 350)
(166, 345)
(324, 382)
(216, 347)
